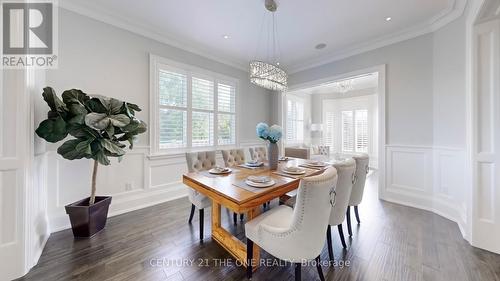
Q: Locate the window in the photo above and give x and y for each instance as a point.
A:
(355, 130)
(193, 108)
(295, 121)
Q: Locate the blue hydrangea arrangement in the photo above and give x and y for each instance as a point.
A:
(272, 134)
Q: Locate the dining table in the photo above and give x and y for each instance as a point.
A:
(231, 191)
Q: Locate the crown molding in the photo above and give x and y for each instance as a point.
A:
(148, 32)
(454, 10)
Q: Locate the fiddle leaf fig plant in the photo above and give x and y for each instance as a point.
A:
(98, 126)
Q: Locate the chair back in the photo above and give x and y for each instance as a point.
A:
(315, 197)
(233, 157)
(199, 161)
(324, 150)
(362, 164)
(345, 170)
(258, 153)
(297, 152)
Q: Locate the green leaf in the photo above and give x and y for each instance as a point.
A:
(81, 131)
(77, 109)
(78, 119)
(75, 96)
(133, 106)
(115, 106)
(96, 106)
(98, 121)
(101, 158)
(112, 147)
(119, 120)
(84, 147)
(110, 130)
(52, 130)
(68, 150)
(50, 97)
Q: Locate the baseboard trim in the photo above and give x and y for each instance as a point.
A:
(127, 204)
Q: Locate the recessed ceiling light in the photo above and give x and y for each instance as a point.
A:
(225, 36)
(278, 63)
(388, 19)
(320, 46)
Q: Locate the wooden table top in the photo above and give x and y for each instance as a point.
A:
(227, 187)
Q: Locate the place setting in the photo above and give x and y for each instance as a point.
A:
(292, 172)
(318, 165)
(217, 171)
(252, 164)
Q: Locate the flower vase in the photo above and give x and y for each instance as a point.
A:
(273, 155)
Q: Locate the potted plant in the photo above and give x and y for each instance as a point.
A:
(273, 135)
(98, 125)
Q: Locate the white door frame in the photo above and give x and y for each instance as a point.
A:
(381, 93)
(480, 232)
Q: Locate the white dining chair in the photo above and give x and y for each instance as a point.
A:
(258, 153)
(297, 234)
(196, 162)
(362, 169)
(234, 157)
(345, 170)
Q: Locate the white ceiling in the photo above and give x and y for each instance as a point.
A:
(197, 25)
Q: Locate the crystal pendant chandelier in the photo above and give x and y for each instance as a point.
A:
(344, 86)
(265, 74)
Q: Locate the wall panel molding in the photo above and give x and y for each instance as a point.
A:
(429, 178)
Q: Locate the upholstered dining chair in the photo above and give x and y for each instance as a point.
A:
(362, 169)
(345, 170)
(258, 153)
(196, 162)
(283, 231)
(234, 157)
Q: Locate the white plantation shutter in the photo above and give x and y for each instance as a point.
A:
(361, 120)
(295, 121)
(347, 131)
(226, 119)
(202, 117)
(330, 129)
(173, 109)
(193, 109)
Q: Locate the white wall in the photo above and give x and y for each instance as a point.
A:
(409, 86)
(102, 59)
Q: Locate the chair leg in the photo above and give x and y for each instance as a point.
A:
(192, 213)
(202, 216)
(242, 216)
(329, 242)
(235, 218)
(320, 270)
(357, 214)
(348, 218)
(341, 234)
(249, 258)
(298, 271)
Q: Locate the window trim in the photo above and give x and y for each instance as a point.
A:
(155, 64)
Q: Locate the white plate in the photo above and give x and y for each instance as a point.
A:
(317, 164)
(258, 164)
(297, 172)
(258, 184)
(219, 172)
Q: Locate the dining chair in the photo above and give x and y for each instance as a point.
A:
(258, 153)
(197, 162)
(296, 234)
(234, 157)
(362, 169)
(345, 170)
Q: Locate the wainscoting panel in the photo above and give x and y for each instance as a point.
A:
(429, 178)
(138, 181)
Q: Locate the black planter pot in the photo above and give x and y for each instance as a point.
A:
(86, 221)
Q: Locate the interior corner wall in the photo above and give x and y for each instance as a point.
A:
(100, 58)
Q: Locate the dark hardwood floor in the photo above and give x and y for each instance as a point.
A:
(393, 242)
